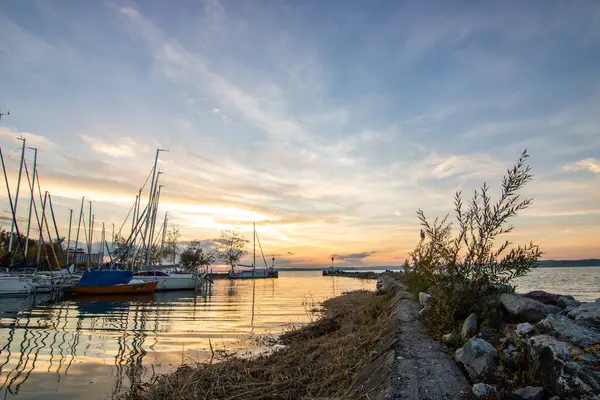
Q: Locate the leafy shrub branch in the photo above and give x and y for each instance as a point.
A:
(459, 267)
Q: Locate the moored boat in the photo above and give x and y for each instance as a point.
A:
(130, 288)
(171, 280)
(112, 282)
(15, 285)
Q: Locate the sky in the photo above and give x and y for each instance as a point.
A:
(327, 123)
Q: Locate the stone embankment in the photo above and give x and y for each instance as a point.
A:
(532, 347)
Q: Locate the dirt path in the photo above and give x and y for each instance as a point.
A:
(422, 368)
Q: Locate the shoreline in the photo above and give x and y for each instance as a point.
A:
(325, 358)
(399, 356)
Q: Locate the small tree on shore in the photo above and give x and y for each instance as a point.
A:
(457, 269)
(194, 257)
(171, 248)
(231, 247)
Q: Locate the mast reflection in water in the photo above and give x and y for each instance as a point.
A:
(97, 347)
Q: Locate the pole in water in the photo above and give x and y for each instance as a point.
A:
(12, 227)
(32, 198)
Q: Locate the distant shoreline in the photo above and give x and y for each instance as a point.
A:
(590, 262)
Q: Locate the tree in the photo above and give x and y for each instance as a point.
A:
(171, 248)
(231, 247)
(458, 269)
(194, 257)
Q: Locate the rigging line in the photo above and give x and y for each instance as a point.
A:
(261, 250)
(134, 205)
(37, 217)
(126, 218)
(45, 220)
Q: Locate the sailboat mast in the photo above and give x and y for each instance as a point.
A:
(78, 229)
(31, 200)
(69, 236)
(154, 214)
(162, 242)
(40, 243)
(254, 245)
(12, 227)
(134, 218)
(89, 243)
(14, 216)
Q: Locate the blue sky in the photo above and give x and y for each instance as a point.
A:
(329, 123)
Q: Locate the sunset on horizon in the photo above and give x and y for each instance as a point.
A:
(329, 130)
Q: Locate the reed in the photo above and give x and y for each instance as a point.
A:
(319, 360)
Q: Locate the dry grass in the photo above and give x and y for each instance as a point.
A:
(319, 360)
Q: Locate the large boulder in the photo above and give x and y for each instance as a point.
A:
(525, 309)
(546, 298)
(477, 357)
(566, 330)
(524, 329)
(424, 299)
(567, 301)
(552, 363)
(386, 283)
(587, 314)
(469, 327)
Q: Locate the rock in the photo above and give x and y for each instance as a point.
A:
(526, 309)
(386, 283)
(481, 390)
(451, 339)
(511, 354)
(566, 330)
(551, 363)
(424, 299)
(469, 327)
(564, 302)
(545, 297)
(587, 314)
(554, 398)
(477, 357)
(524, 329)
(528, 393)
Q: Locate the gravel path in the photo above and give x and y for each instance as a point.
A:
(422, 368)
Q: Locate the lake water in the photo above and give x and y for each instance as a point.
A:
(581, 283)
(93, 348)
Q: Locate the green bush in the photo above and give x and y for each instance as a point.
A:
(458, 267)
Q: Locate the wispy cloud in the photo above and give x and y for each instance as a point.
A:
(124, 147)
(589, 164)
(8, 135)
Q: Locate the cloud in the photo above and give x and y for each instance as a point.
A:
(589, 164)
(354, 256)
(8, 135)
(124, 147)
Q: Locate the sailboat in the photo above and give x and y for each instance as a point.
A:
(253, 272)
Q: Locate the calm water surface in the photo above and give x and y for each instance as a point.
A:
(95, 347)
(581, 283)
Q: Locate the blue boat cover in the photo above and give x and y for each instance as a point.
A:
(104, 278)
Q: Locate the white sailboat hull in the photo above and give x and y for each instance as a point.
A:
(15, 285)
(173, 281)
